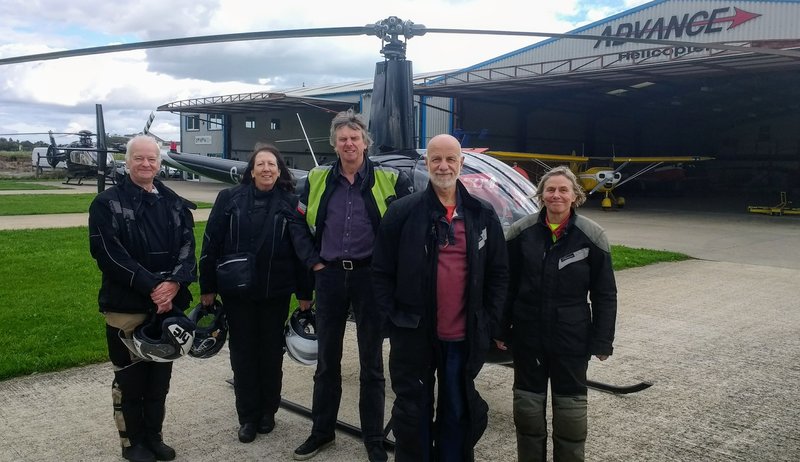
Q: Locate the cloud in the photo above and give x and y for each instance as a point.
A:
(61, 93)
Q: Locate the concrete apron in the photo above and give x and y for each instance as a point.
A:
(720, 351)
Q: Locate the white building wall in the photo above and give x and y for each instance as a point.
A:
(202, 141)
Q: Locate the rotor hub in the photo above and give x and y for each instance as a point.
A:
(390, 31)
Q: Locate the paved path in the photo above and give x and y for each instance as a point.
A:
(192, 190)
(718, 336)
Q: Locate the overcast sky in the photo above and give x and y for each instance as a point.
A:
(60, 95)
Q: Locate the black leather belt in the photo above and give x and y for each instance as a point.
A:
(350, 265)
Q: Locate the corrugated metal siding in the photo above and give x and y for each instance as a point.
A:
(436, 121)
(778, 21)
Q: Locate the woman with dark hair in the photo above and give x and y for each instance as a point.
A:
(256, 229)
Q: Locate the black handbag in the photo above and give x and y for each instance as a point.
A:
(236, 273)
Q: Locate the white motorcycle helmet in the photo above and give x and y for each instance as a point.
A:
(162, 337)
(301, 337)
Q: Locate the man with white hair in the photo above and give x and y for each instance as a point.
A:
(140, 233)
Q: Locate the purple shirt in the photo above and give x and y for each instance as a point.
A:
(348, 233)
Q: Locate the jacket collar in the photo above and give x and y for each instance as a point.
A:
(365, 171)
(463, 197)
(573, 215)
(132, 188)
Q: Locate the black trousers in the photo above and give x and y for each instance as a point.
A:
(535, 364)
(139, 392)
(256, 345)
(338, 289)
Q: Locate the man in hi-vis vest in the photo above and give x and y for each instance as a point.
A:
(344, 203)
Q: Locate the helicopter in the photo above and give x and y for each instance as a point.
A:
(83, 159)
(86, 160)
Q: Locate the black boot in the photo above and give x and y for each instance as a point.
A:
(138, 453)
(161, 450)
(247, 432)
(266, 424)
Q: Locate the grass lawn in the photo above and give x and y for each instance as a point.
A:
(15, 155)
(626, 257)
(48, 291)
(13, 185)
(48, 294)
(43, 204)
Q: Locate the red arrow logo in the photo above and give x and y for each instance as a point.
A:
(739, 17)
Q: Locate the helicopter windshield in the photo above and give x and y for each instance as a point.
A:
(508, 192)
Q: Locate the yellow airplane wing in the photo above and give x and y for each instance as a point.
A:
(573, 158)
(668, 159)
(534, 156)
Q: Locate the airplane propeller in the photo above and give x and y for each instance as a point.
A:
(602, 183)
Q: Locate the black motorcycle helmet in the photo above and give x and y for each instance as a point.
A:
(211, 332)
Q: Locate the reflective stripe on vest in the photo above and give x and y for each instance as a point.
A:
(316, 186)
(382, 190)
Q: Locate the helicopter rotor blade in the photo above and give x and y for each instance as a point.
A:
(391, 28)
(197, 40)
(39, 133)
(53, 156)
(102, 154)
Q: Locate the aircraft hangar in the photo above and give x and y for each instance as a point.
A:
(598, 97)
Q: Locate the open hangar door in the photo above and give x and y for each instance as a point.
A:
(747, 117)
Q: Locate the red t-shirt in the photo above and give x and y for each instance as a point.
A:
(451, 283)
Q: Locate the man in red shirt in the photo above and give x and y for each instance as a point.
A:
(439, 271)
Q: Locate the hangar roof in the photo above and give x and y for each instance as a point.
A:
(577, 76)
(294, 98)
(572, 73)
(725, 81)
(250, 102)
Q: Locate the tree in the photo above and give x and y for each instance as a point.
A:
(8, 144)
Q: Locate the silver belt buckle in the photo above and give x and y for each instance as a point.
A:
(347, 265)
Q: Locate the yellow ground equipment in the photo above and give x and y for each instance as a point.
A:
(782, 208)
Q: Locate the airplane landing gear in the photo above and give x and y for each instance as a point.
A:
(610, 200)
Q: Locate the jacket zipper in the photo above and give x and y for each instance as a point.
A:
(272, 252)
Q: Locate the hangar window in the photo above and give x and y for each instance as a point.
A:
(275, 124)
(214, 122)
(250, 122)
(192, 123)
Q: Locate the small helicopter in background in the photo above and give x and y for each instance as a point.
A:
(82, 158)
